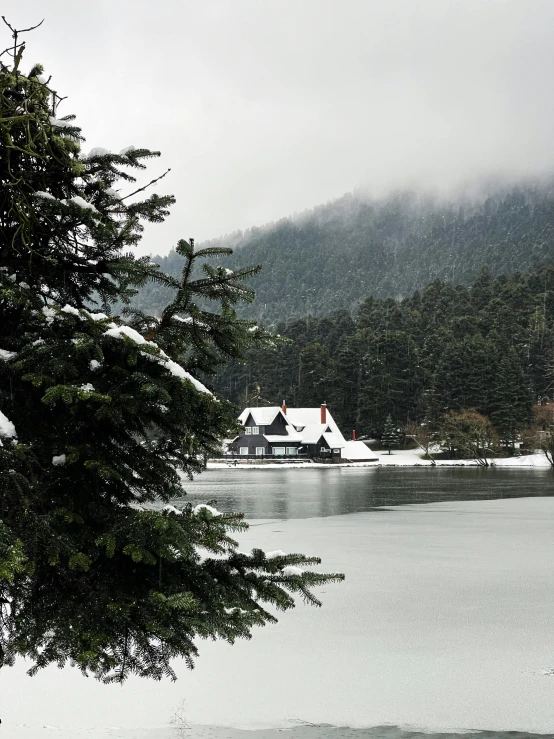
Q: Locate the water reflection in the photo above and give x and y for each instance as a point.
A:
(302, 493)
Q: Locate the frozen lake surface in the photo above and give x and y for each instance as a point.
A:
(445, 623)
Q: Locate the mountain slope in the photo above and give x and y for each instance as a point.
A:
(337, 254)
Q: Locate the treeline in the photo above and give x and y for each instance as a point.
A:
(332, 257)
(488, 347)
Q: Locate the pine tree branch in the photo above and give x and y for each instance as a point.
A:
(152, 182)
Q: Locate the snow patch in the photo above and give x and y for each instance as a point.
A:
(203, 508)
(118, 331)
(6, 355)
(126, 150)
(58, 460)
(97, 316)
(97, 151)
(176, 370)
(49, 313)
(276, 553)
(7, 429)
(70, 309)
(172, 509)
(292, 570)
(94, 364)
(45, 195)
(87, 387)
(82, 203)
(57, 123)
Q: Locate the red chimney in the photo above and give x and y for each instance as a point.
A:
(324, 413)
(284, 407)
(353, 434)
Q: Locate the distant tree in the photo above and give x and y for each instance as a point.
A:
(510, 399)
(314, 375)
(540, 435)
(424, 435)
(469, 435)
(391, 434)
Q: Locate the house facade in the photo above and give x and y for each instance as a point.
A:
(278, 431)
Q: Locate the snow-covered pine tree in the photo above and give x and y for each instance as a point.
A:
(101, 417)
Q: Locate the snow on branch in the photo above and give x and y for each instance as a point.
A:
(120, 332)
(7, 429)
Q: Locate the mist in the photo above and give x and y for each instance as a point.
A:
(265, 109)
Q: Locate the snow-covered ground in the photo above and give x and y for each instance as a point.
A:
(397, 458)
(445, 621)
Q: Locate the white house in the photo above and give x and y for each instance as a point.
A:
(279, 431)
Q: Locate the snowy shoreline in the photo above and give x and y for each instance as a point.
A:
(411, 458)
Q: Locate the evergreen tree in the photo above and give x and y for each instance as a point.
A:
(511, 406)
(390, 436)
(100, 419)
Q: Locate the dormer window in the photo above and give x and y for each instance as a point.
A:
(255, 430)
(248, 430)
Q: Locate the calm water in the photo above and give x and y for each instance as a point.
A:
(306, 493)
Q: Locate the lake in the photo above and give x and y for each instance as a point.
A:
(444, 624)
(306, 493)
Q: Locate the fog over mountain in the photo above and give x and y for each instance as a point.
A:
(265, 109)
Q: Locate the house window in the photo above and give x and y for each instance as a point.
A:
(336, 451)
(279, 451)
(291, 451)
(260, 451)
(243, 450)
(255, 430)
(248, 430)
(323, 449)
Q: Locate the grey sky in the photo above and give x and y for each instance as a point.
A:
(267, 107)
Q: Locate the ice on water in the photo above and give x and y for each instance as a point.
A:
(444, 621)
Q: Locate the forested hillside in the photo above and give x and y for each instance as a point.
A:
(489, 346)
(334, 256)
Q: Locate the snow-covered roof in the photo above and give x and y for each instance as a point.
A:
(261, 416)
(306, 419)
(311, 417)
(357, 451)
(312, 433)
(334, 441)
(275, 438)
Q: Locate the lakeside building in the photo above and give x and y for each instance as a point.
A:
(278, 431)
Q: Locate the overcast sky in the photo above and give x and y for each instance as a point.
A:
(266, 107)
